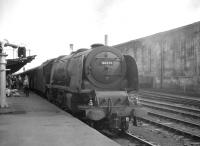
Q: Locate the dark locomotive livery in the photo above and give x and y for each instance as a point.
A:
(94, 82)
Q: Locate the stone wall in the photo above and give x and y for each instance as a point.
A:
(168, 59)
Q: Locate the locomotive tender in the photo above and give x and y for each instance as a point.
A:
(94, 82)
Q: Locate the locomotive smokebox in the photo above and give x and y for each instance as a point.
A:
(105, 67)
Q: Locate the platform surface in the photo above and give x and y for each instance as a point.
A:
(33, 121)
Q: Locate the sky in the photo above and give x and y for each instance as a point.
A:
(47, 27)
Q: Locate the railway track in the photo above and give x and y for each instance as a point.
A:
(141, 140)
(176, 118)
(128, 139)
(178, 114)
(193, 138)
(171, 103)
(173, 128)
(171, 107)
(186, 100)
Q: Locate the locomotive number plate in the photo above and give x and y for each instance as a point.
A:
(106, 63)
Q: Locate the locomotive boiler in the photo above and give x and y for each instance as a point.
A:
(92, 82)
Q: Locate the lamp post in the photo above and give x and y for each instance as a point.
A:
(5, 43)
(3, 102)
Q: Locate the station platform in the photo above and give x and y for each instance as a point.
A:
(33, 121)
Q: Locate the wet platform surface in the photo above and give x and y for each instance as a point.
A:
(33, 121)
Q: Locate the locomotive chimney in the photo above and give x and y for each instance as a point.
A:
(71, 47)
(106, 39)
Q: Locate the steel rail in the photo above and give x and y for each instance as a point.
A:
(126, 135)
(141, 140)
(158, 107)
(172, 97)
(172, 105)
(176, 130)
(154, 113)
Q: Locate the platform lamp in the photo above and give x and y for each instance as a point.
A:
(4, 43)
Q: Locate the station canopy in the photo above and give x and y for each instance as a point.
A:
(13, 65)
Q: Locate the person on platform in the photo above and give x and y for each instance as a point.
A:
(19, 82)
(8, 81)
(26, 86)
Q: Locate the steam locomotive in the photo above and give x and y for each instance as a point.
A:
(94, 82)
